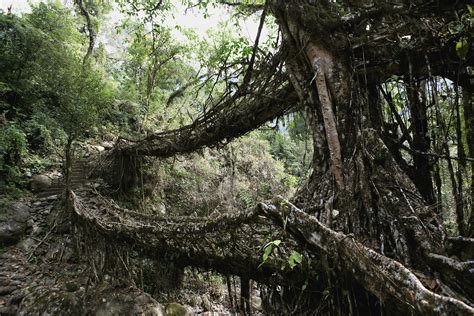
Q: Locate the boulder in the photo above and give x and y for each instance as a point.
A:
(104, 300)
(42, 300)
(40, 183)
(124, 301)
(98, 148)
(14, 222)
(108, 144)
(175, 309)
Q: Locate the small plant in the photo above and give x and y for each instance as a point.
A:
(294, 259)
(268, 250)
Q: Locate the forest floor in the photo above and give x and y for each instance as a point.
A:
(43, 258)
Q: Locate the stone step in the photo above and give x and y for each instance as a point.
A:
(79, 173)
(81, 165)
(56, 187)
(78, 170)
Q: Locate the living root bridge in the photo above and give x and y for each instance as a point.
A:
(224, 245)
(229, 120)
(230, 244)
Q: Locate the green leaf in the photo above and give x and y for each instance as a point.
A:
(462, 47)
(247, 51)
(276, 242)
(268, 249)
(266, 252)
(294, 259)
(305, 285)
(470, 8)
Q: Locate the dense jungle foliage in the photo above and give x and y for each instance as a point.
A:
(152, 78)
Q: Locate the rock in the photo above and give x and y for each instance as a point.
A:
(52, 197)
(8, 310)
(4, 290)
(37, 230)
(40, 183)
(16, 298)
(108, 145)
(14, 223)
(175, 309)
(27, 244)
(46, 301)
(103, 300)
(206, 303)
(98, 148)
(123, 301)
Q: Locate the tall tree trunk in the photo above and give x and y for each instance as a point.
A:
(468, 106)
(461, 163)
(422, 166)
(370, 197)
(67, 172)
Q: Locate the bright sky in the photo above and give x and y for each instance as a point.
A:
(18, 6)
(191, 19)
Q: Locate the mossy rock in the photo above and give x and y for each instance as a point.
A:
(44, 301)
(175, 309)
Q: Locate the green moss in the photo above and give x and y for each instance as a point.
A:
(175, 309)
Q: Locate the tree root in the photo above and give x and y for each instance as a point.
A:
(384, 277)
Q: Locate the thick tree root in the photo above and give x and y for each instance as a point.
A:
(384, 277)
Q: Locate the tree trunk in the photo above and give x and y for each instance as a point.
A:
(468, 105)
(421, 164)
(68, 163)
(370, 197)
(245, 307)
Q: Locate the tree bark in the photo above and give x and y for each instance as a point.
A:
(468, 106)
(380, 204)
(377, 273)
(420, 144)
(90, 29)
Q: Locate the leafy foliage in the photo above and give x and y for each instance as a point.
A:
(46, 93)
(294, 259)
(48, 96)
(268, 249)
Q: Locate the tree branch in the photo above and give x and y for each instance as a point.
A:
(90, 29)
